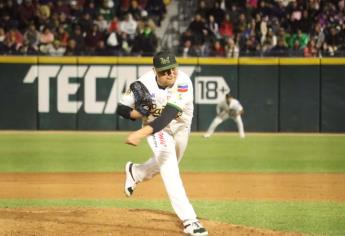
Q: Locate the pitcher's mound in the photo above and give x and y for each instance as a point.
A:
(107, 222)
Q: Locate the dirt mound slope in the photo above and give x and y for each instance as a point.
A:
(108, 222)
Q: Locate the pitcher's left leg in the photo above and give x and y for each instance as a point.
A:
(163, 146)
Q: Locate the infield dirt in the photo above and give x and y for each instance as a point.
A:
(52, 221)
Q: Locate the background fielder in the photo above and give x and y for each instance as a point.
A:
(228, 108)
(163, 99)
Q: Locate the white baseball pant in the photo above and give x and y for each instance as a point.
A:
(168, 151)
(221, 118)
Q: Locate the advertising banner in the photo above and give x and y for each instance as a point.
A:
(82, 93)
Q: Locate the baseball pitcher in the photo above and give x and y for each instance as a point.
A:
(163, 99)
(229, 108)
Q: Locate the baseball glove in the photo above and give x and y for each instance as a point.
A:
(143, 102)
(233, 113)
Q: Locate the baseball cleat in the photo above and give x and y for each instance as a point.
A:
(130, 182)
(194, 228)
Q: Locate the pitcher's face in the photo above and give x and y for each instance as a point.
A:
(167, 78)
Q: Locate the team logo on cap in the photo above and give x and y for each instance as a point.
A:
(165, 61)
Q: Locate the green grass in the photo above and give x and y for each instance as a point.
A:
(317, 218)
(106, 152)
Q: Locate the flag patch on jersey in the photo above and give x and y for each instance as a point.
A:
(182, 88)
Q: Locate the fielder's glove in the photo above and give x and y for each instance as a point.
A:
(233, 113)
(143, 102)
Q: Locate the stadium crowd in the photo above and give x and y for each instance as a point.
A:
(218, 28)
(234, 28)
(80, 27)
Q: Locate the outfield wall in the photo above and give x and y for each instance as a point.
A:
(81, 93)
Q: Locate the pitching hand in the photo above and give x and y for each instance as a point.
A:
(135, 137)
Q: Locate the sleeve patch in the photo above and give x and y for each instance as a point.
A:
(182, 88)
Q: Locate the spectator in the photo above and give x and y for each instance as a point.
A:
(13, 40)
(11, 8)
(62, 36)
(297, 50)
(113, 25)
(77, 36)
(2, 41)
(27, 49)
(2, 35)
(187, 50)
(129, 26)
(8, 23)
(231, 49)
(305, 23)
(64, 21)
(32, 37)
(102, 23)
(199, 29)
(123, 8)
(295, 16)
(145, 43)
(43, 15)
(213, 26)
(266, 46)
(71, 49)
(283, 35)
(280, 50)
(46, 38)
(125, 44)
(156, 9)
(135, 10)
(56, 49)
(217, 12)
(333, 40)
(240, 24)
(26, 13)
(265, 8)
(203, 10)
(185, 36)
(75, 11)
(310, 50)
(101, 49)
(217, 50)
(270, 38)
(318, 36)
(114, 43)
(61, 7)
(250, 47)
(90, 8)
(85, 22)
(226, 27)
(92, 38)
(106, 10)
(342, 39)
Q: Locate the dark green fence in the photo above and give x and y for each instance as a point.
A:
(81, 93)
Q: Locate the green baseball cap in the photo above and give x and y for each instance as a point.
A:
(164, 60)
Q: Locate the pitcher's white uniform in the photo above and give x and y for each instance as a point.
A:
(169, 144)
(225, 111)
